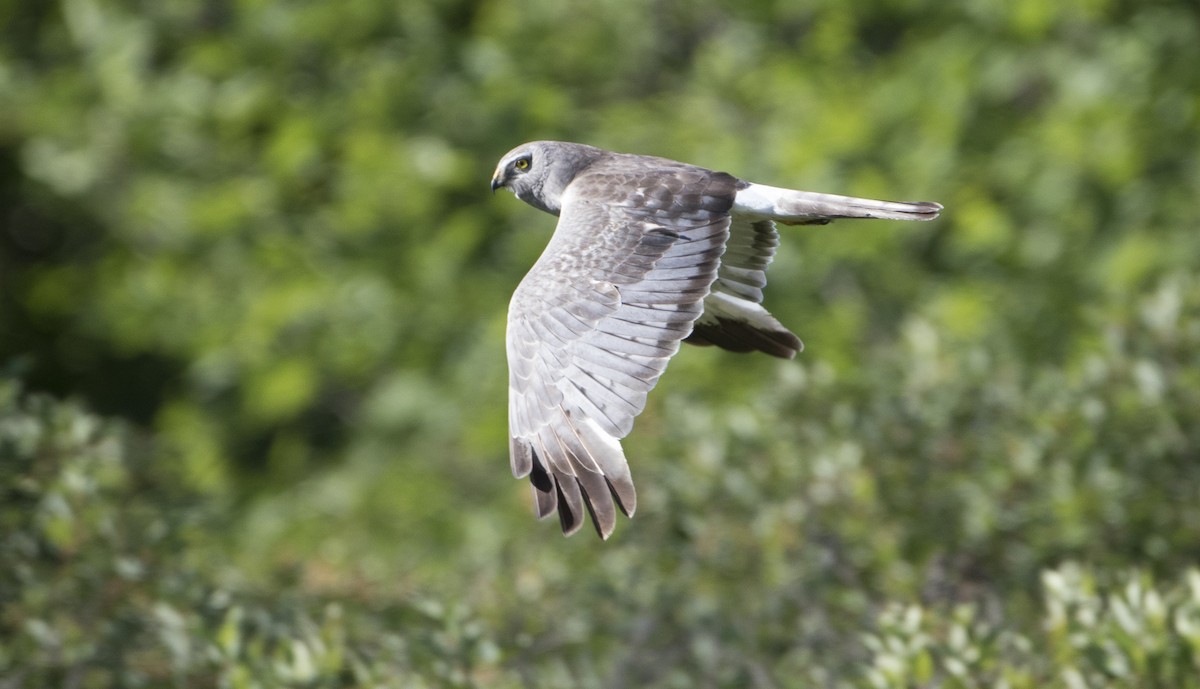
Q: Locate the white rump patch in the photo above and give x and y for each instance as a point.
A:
(759, 200)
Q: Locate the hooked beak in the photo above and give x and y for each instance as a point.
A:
(496, 183)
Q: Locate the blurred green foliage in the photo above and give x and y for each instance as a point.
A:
(112, 578)
(254, 239)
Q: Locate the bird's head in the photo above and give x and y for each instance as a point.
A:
(538, 172)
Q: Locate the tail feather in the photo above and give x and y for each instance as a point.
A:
(790, 206)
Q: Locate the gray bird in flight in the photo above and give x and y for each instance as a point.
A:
(648, 253)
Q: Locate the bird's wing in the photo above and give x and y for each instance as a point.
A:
(734, 317)
(593, 324)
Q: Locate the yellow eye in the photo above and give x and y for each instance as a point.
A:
(522, 164)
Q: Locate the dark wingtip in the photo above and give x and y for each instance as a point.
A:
(543, 502)
(740, 336)
(544, 488)
(570, 494)
(570, 516)
(598, 500)
(624, 494)
(567, 520)
(604, 527)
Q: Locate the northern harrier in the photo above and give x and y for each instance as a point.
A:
(647, 253)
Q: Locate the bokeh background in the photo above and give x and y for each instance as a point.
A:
(253, 388)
